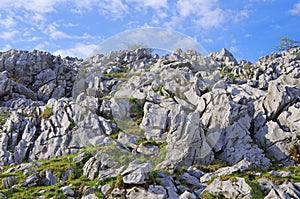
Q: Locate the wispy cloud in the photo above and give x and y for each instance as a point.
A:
(9, 35)
(154, 4)
(296, 9)
(115, 9)
(213, 18)
(42, 46)
(41, 6)
(207, 14)
(54, 33)
(7, 21)
(80, 50)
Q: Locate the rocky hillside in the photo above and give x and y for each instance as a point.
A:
(130, 124)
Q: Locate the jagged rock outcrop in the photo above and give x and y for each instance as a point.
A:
(174, 111)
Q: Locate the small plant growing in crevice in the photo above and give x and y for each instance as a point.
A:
(295, 153)
(160, 90)
(46, 113)
(3, 117)
(72, 124)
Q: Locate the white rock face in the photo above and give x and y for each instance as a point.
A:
(173, 111)
(5, 84)
(136, 173)
(187, 143)
(237, 188)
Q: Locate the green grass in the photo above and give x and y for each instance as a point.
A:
(160, 89)
(3, 117)
(121, 74)
(130, 127)
(46, 113)
(207, 195)
(58, 166)
(212, 167)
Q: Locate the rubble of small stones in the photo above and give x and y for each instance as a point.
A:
(149, 114)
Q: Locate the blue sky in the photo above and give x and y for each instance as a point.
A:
(248, 28)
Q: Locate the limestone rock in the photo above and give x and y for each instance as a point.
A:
(169, 184)
(147, 150)
(8, 182)
(89, 194)
(186, 137)
(142, 193)
(187, 195)
(224, 56)
(241, 166)
(288, 119)
(279, 95)
(285, 190)
(80, 157)
(158, 189)
(236, 188)
(276, 141)
(136, 173)
(190, 180)
(203, 107)
(126, 138)
(154, 121)
(32, 180)
(195, 172)
(67, 190)
(50, 178)
(105, 188)
(5, 84)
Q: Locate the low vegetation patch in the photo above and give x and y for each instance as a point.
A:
(3, 117)
(46, 113)
(59, 166)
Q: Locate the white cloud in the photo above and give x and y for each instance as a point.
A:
(116, 9)
(8, 21)
(40, 6)
(70, 25)
(79, 50)
(208, 41)
(7, 4)
(154, 4)
(54, 33)
(212, 19)
(206, 14)
(296, 9)
(196, 7)
(9, 35)
(233, 49)
(42, 46)
(238, 16)
(84, 6)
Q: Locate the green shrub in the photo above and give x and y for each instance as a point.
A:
(286, 43)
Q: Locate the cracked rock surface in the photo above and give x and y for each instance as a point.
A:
(137, 115)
